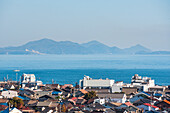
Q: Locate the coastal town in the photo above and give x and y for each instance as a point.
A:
(90, 95)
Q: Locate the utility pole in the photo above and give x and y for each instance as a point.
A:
(16, 77)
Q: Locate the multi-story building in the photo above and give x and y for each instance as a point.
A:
(29, 80)
(88, 82)
(144, 82)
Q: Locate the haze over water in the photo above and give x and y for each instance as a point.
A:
(70, 68)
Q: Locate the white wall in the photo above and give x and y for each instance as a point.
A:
(9, 94)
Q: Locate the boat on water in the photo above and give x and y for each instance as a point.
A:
(16, 70)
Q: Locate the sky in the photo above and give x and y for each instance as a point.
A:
(121, 23)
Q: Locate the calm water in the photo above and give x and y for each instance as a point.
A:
(71, 68)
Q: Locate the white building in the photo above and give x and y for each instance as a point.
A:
(29, 80)
(117, 87)
(88, 82)
(9, 94)
(100, 101)
(145, 82)
(113, 97)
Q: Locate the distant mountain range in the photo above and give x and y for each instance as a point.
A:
(48, 46)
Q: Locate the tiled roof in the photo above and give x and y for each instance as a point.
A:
(74, 98)
(110, 95)
(147, 104)
(168, 102)
(43, 103)
(83, 91)
(128, 104)
(117, 104)
(32, 101)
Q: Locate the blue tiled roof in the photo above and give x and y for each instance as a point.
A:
(23, 98)
(158, 94)
(6, 104)
(55, 92)
(146, 93)
(6, 110)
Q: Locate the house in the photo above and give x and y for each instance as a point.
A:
(46, 97)
(114, 97)
(3, 104)
(148, 107)
(10, 87)
(141, 101)
(53, 86)
(57, 93)
(11, 110)
(3, 107)
(88, 82)
(167, 90)
(157, 89)
(96, 107)
(80, 93)
(66, 85)
(68, 105)
(73, 100)
(80, 102)
(41, 93)
(26, 92)
(141, 95)
(104, 90)
(127, 108)
(9, 94)
(24, 97)
(129, 90)
(43, 104)
(100, 101)
(27, 110)
(165, 104)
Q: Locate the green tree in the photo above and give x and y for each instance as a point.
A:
(90, 94)
(16, 102)
(57, 97)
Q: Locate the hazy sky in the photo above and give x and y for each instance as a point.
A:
(121, 23)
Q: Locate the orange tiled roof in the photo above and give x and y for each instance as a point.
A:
(168, 102)
(74, 98)
(128, 104)
(83, 91)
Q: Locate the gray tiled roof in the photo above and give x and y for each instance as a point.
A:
(110, 95)
(43, 104)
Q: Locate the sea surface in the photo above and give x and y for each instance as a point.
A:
(69, 69)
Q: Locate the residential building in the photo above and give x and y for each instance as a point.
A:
(9, 94)
(158, 89)
(113, 97)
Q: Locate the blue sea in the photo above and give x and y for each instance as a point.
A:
(64, 69)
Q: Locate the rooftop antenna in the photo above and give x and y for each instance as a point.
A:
(4, 79)
(16, 74)
(16, 77)
(7, 77)
(52, 81)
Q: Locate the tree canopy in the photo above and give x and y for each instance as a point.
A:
(16, 102)
(90, 94)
